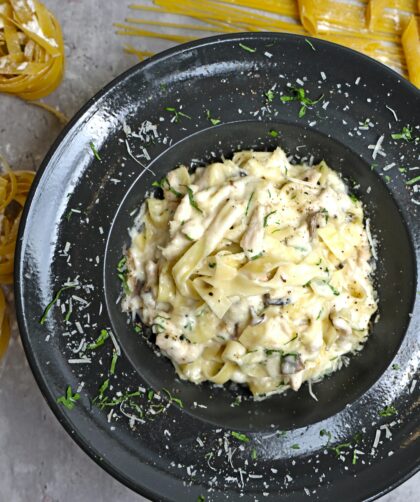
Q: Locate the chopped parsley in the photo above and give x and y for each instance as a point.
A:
(311, 45)
(240, 437)
(396, 367)
(353, 198)
(52, 302)
(201, 498)
(254, 454)
(176, 113)
(246, 48)
(402, 169)
(173, 399)
(387, 178)
(405, 134)
(69, 399)
(122, 273)
(295, 446)
(138, 328)
(113, 362)
(249, 204)
(388, 411)
(413, 180)
(268, 216)
(104, 386)
(273, 133)
(292, 339)
(150, 394)
(269, 95)
(319, 314)
(299, 94)
(255, 257)
(161, 184)
(337, 449)
(334, 290)
(104, 335)
(373, 167)
(211, 119)
(192, 200)
(354, 458)
(95, 151)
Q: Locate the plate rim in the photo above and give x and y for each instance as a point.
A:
(24, 336)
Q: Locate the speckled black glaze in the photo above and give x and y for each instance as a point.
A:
(163, 459)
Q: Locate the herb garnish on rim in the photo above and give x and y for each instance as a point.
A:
(69, 399)
(299, 94)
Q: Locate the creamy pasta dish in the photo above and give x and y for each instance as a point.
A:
(253, 270)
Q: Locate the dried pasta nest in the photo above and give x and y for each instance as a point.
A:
(14, 189)
(31, 49)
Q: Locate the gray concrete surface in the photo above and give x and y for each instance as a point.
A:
(38, 460)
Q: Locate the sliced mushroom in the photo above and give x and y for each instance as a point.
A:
(255, 318)
(291, 364)
(275, 301)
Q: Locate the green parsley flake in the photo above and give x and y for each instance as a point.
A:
(113, 362)
(246, 48)
(273, 133)
(122, 272)
(337, 449)
(354, 458)
(295, 446)
(176, 113)
(150, 394)
(299, 94)
(402, 169)
(69, 399)
(52, 302)
(104, 335)
(269, 95)
(255, 257)
(311, 45)
(240, 437)
(201, 498)
(211, 119)
(161, 184)
(405, 134)
(254, 454)
(94, 150)
(173, 399)
(104, 386)
(396, 367)
(249, 203)
(192, 200)
(388, 411)
(268, 216)
(353, 198)
(413, 181)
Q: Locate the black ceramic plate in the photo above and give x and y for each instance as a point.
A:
(361, 437)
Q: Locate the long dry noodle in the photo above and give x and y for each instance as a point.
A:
(373, 27)
(31, 49)
(14, 189)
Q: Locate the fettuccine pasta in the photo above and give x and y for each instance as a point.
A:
(252, 270)
(31, 49)
(373, 27)
(14, 189)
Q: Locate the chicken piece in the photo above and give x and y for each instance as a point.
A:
(252, 241)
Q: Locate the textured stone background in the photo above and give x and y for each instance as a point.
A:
(38, 460)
